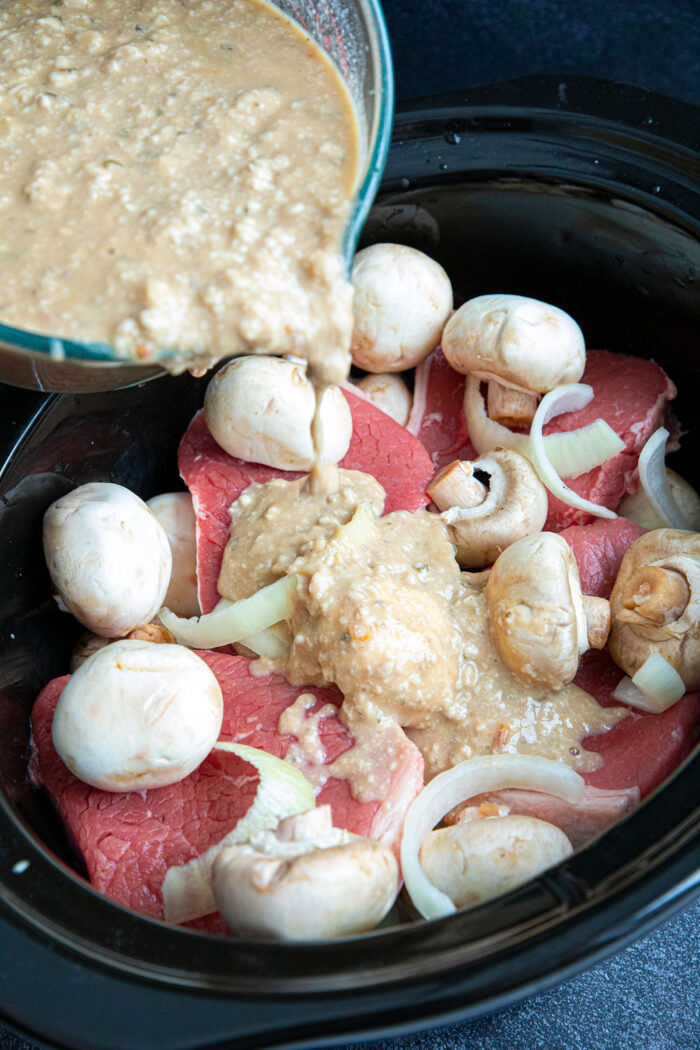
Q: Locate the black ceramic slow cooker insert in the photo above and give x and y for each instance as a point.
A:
(581, 193)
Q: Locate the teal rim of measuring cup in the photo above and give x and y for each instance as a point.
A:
(58, 349)
(384, 119)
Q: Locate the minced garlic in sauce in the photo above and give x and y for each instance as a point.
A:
(174, 177)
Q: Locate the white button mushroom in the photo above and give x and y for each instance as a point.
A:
(108, 557)
(478, 859)
(175, 513)
(520, 346)
(483, 518)
(305, 880)
(388, 391)
(137, 715)
(260, 409)
(655, 604)
(539, 619)
(402, 299)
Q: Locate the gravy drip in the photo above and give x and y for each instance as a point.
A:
(367, 765)
(383, 611)
(174, 177)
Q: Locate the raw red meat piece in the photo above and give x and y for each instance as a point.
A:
(437, 416)
(130, 840)
(631, 395)
(379, 446)
(642, 749)
(599, 549)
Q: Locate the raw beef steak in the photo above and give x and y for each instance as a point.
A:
(630, 394)
(130, 840)
(379, 447)
(642, 749)
(437, 416)
(599, 549)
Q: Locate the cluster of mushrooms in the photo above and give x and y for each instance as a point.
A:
(115, 561)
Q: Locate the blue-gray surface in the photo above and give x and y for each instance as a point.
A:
(448, 45)
(648, 996)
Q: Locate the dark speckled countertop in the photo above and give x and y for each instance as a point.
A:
(647, 997)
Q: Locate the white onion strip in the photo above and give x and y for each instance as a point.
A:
(475, 776)
(654, 481)
(567, 398)
(283, 791)
(486, 434)
(234, 621)
(267, 644)
(654, 688)
(571, 453)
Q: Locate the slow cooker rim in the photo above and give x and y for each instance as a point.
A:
(678, 893)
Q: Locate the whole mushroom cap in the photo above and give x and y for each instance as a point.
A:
(388, 391)
(305, 880)
(673, 555)
(481, 859)
(137, 715)
(402, 299)
(520, 342)
(535, 609)
(260, 409)
(175, 513)
(108, 557)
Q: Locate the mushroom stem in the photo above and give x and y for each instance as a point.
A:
(510, 407)
(654, 597)
(152, 632)
(597, 613)
(455, 486)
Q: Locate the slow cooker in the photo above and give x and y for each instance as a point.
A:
(580, 192)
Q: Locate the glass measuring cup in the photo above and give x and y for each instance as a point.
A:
(353, 34)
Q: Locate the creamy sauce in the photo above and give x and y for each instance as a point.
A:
(174, 176)
(274, 523)
(384, 612)
(367, 766)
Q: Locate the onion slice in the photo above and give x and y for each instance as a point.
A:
(654, 481)
(654, 688)
(283, 791)
(567, 398)
(637, 508)
(486, 434)
(571, 454)
(234, 621)
(267, 644)
(475, 776)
